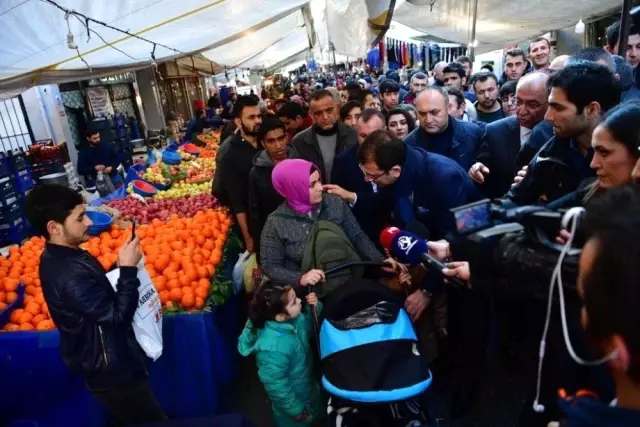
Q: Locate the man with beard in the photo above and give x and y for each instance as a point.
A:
(633, 46)
(231, 182)
(580, 94)
(540, 53)
(94, 320)
(328, 137)
(510, 143)
(485, 86)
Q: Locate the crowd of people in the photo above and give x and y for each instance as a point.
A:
(367, 153)
(312, 179)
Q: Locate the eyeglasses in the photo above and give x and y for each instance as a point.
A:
(531, 105)
(370, 178)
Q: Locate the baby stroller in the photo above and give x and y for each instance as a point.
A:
(370, 358)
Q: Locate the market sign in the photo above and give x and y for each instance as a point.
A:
(113, 79)
(100, 102)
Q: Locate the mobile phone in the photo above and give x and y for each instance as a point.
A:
(133, 230)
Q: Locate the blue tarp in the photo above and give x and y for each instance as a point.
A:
(38, 388)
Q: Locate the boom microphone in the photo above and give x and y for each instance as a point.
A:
(412, 250)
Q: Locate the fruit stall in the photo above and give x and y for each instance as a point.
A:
(189, 252)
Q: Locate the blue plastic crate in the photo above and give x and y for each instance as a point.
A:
(14, 232)
(7, 188)
(11, 209)
(15, 162)
(23, 181)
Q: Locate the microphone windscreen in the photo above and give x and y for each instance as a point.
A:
(387, 235)
(419, 229)
(408, 248)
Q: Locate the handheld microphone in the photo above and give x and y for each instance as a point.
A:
(412, 250)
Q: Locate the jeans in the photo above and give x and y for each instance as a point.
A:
(130, 403)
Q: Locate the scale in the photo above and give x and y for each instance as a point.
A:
(139, 154)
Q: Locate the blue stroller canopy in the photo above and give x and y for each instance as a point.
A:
(368, 347)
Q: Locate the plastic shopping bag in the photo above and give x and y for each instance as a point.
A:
(252, 277)
(238, 271)
(147, 322)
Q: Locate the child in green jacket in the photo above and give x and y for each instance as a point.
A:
(279, 334)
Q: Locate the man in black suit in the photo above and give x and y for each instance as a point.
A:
(365, 198)
(510, 143)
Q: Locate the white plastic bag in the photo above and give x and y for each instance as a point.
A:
(147, 322)
(238, 271)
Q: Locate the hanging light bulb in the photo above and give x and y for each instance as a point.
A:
(580, 27)
(474, 43)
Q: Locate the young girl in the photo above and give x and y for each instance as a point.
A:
(279, 334)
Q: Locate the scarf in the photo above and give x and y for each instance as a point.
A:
(290, 178)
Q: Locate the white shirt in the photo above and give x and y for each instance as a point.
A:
(524, 135)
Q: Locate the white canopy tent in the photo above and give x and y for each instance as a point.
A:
(38, 39)
(499, 22)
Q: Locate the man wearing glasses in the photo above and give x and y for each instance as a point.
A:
(580, 94)
(510, 143)
(424, 186)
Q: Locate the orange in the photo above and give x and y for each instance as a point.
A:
(26, 327)
(45, 308)
(15, 274)
(25, 318)
(187, 290)
(28, 299)
(161, 262)
(39, 318)
(204, 283)
(33, 308)
(160, 282)
(3, 297)
(199, 303)
(11, 297)
(173, 284)
(28, 281)
(174, 266)
(11, 327)
(15, 315)
(202, 292)
(211, 271)
(152, 271)
(184, 280)
(192, 273)
(176, 256)
(188, 301)
(45, 325)
(198, 259)
(31, 290)
(206, 253)
(40, 298)
(164, 296)
(170, 304)
(170, 274)
(176, 294)
(200, 240)
(202, 272)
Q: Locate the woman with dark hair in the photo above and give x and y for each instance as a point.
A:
(400, 122)
(615, 153)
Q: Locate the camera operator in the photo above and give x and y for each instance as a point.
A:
(580, 94)
(608, 287)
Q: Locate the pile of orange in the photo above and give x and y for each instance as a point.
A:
(181, 254)
(22, 266)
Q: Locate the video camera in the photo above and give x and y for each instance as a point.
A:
(501, 239)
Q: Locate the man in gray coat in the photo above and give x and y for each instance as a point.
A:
(321, 143)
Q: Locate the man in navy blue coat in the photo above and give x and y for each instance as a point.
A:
(424, 186)
(370, 205)
(442, 134)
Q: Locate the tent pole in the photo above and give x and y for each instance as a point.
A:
(624, 28)
(472, 49)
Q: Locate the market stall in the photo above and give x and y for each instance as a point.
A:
(189, 253)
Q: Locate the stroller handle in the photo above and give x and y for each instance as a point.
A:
(355, 264)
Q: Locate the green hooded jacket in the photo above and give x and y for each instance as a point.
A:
(285, 367)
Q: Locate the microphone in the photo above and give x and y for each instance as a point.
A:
(412, 250)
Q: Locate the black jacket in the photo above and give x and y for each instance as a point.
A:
(306, 144)
(503, 154)
(94, 321)
(263, 198)
(463, 144)
(557, 170)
